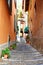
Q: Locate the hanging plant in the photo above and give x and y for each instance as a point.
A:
(20, 15)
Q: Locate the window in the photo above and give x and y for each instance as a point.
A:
(9, 4)
(26, 5)
(35, 6)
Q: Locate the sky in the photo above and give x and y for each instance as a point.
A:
(19, 4)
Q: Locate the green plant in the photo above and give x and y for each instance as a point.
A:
(6, 51)
(14, 46)
(17, 28)
(20, 15)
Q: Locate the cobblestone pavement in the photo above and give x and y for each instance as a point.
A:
(24, 55)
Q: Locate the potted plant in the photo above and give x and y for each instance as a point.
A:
(28, 39)
(14, 46)
(10, 47)
(5, 53)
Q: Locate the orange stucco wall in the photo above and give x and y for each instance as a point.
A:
(32, 17)
(35, 16)
(6, 24)
(37, 24)
(39, 12)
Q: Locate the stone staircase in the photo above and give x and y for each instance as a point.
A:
(24, 54)
(30, 56)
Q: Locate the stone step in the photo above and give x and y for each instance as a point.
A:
(22, 62)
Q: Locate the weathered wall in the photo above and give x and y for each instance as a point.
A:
(37, 24)
(33, 22)
(6, 25)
